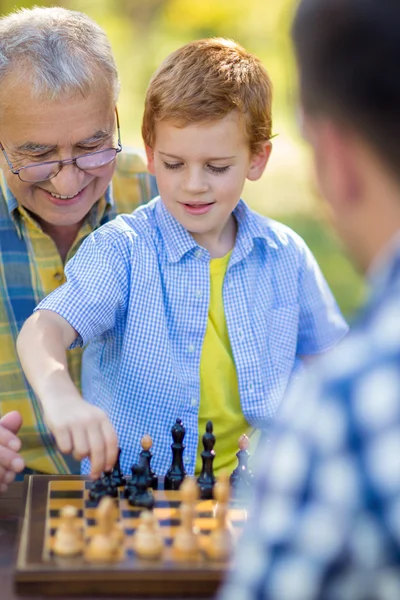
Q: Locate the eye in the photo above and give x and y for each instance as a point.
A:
(218, 170)
(172, 166)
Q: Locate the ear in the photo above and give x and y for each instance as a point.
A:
(259, 162)
(336, 158)
(150, 159)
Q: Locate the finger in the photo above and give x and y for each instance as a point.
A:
(63, 440)
(9, 477)
(3, 487)
(80, 443)
(9, 439)
(12, 421)
(10, 460)
(97, 450)
(111, 443)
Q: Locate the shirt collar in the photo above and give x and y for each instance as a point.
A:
(178, 240)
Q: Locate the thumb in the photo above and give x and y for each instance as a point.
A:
(11, 421)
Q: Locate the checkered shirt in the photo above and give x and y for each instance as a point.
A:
(325, 521)
(138, 290)
(30, 268)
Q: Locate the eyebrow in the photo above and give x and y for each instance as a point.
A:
(99, 136)
(208, 159)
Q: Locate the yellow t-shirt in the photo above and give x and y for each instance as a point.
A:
(219, 392)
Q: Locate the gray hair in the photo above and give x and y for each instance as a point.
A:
(61, 52)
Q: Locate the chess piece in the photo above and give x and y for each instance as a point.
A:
(242, 477)
(141, 495)
(206, 479)
(68, 538)
(110, 487)
(130, 488)
(176, 473)
(144, 459)
(186, 541)
(107, 544)
(147, 540)
(103, 487)
(117, 477)
(221, 539)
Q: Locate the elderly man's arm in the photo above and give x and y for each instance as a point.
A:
(10, 462)
(77, 426)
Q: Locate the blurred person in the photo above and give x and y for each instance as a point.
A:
(60, 149)
(193, 306)
(325, 522)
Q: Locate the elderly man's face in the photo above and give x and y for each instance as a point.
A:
(34, 131)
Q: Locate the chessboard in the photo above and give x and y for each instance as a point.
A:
(40, 570)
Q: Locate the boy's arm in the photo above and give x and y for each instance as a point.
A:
(77, 426)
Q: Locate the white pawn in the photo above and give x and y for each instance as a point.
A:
(147, 540)
(106, 545)
(186, 541)
(68, 538)
(221, 540)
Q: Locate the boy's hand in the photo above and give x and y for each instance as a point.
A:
(10, 462)
(84, 430)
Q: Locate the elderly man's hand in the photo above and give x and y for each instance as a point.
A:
(10, 462)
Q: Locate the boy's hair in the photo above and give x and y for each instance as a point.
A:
(349, 55)
(204, 81)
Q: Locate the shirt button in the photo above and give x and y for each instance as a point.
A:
(58, 276)
(240, 334)
(187, 460)
(191, 348)
(193, 401)
(198, 293)
(198, 253)
(251, 387)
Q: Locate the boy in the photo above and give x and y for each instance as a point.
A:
(194, 305)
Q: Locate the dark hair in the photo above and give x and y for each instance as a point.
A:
(349, 57)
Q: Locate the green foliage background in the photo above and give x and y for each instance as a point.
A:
(143, 32)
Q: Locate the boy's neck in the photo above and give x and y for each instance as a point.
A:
(218, 243)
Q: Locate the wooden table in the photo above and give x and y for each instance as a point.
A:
(10, 511)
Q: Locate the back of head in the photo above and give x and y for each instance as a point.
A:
(57, 51)
(204, 81)
(349, 54)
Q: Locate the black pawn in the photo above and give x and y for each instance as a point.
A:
(176, 473)
(242, 477)
(206, 479)
(116, 474)
(142, 496)
(97, 490)
(131, 488)
(108, 482)
(144, 460)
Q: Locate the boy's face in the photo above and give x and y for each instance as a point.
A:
(201, 170)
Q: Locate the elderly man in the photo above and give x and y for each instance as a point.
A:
(60, 144)
(326, 517)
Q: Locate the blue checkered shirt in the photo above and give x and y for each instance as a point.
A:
(325, 521)
(138, 291)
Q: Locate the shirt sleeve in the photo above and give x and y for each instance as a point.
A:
(96, 289)
(321, 324)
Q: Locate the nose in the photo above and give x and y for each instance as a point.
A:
(195, 181)
(69, 181)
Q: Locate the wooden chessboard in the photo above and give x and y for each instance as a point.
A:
(38, 569)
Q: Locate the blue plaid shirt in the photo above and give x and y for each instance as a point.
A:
(138, 291)
(326, 516)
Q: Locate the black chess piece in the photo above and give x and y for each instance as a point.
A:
(242, 477)
(142, 496)
(117, 476)
(176, 473)
(130, 488)
(111, 488)
(102, 487)
(206, 479)
(144, 459)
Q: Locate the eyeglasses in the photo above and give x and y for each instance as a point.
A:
(49, 169)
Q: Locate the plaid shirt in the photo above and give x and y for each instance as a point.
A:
(326, 516)
(138, 290)
(30, 268)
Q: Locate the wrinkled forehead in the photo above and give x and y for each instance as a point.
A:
(67, 119)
